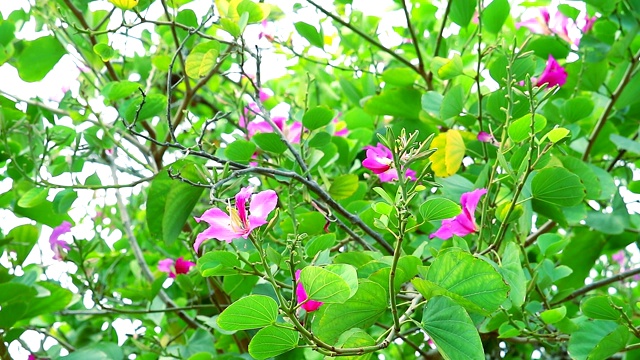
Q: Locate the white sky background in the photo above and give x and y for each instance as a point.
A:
(63, 77)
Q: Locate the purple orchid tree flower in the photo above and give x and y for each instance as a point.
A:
(181, 266)
(465, 223)
(553, 74)
(302, 297)
(54, 240)
(291, 132)
(238, 223)
(380, 161)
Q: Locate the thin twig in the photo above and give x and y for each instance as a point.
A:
(600, 283)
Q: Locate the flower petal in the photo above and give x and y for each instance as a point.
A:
(262, 204)
(294, 132)
(183, 266)
(469, 201)
(553, 74)
(220, 227)
(165, 265)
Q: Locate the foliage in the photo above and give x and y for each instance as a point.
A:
(377, 141)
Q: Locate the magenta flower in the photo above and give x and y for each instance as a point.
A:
(291, 132)
(54, 240)
(553, 74)
(619, 257)
(238, 223)
(465, 223)
(303, 298)
(340, 126)
(265, 94)
(380, 161)
(588, 23)
(485, 137)
(181, 266)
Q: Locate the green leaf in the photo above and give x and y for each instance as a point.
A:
(551, 244)
(451, 329)
(57, 299)
(310, 33)
(623, 143)
(64, 200)
(317, 117)
(494, 15)
(452, 103)
(355, 338)
(557, 186)
(400, 102)
(553, 316)
(577, 108)
(324, 285)
(594, 334)
(11, 292)
(557, 134)
(450, 151)
(270, 142)
(271, 341)
(348, 273)
(24, 237)
(399, 76)
(600, 307)
(320, 139)
(520, 129)
(439, 209)
(462, 11)
(253, 311)
(42, 213)
(10, 314)
(240, 150)
(202, 59)
(117, 90)
(471, 282)
(319, 243)
(360, 311)
(255, 11)
(62, 135)
(231, 27)
(218, 263)
(344, 186)
(38, 57)
(511, 270)
(106, 52)
(451, 67)
(170, 202)
(33, 197)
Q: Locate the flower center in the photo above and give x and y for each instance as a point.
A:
(237, 224)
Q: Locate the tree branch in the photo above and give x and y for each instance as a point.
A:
(600, 283)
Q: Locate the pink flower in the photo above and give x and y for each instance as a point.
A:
(588, 23)
(56, 243)
(32, 357)
(301, 295)
(559, 24)
(291, 132)
(238, 223)
(485, 137)
(380, 161)
(182, 266)
(553, 74)
(340, 126)
(266, 31)
(465, 223)
(265, 94)
(619, 257)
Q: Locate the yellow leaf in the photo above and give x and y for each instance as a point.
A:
(124, 4)
(446, 161)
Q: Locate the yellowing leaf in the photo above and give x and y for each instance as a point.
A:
(446, 161)
(124, 4)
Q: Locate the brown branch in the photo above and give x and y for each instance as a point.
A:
(414, 39)
(600, 283)
(607, 111)
(92, 39)
(367, 38)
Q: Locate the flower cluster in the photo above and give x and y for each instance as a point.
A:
(380, 161)
(465, 223)
(180, 266)
(258, 125)
(562, 26)
(238, 223)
